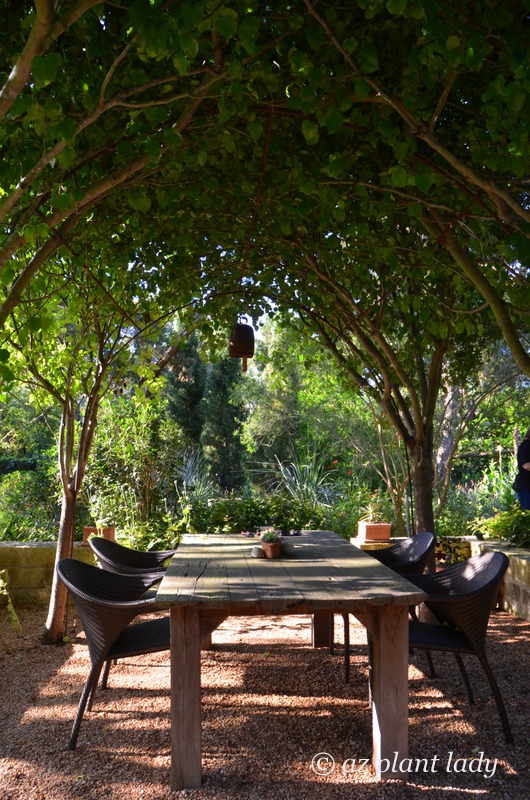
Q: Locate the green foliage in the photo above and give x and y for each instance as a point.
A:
(457, 514)
(233, 515)
(194, 479)
(11, 613)
(346, 511)
(29, 505)
(270, 536)
(477, 500)
(512, 525)
(378, 508)
(186, 383)
(137, 453)
(224, 413)
(307, 478)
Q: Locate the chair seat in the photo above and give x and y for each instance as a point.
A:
(150, 636)
(437, 637)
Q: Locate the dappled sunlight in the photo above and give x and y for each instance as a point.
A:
(270, 702)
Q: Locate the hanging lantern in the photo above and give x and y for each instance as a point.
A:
(241, 343)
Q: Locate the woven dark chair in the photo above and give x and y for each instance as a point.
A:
(115, 557)
(409, 556)
(460, 598)
(106, 604)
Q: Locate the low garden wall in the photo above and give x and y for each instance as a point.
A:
(515, 591)
(29, 568)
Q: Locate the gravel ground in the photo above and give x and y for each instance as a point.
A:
(270, 704)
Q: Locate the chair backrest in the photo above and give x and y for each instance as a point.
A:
(409, 556)
(105, 602)
(463, 594)
(115, 557)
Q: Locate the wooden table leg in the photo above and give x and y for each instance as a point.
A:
(185, 699)
(390, 691)
(320, 629)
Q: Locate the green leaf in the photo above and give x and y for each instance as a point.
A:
(44, 68)
(350, 44)
(369, 60)
(190, 46)
(423, 183)
(140, 201)
(181, 63)
(396, 6)
(362, 88)
(333, 119)
(452, 42)
(4, 355)
(226, 20)
(255, 129)
(6, 374)
(42, 229)
(310, 132)
(399, 176)
(248, 32)
(30, 233)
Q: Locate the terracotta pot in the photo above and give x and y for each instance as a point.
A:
(373, 531)
(272, 549)
(91, 530)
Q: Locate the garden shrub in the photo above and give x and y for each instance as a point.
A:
(512, 525)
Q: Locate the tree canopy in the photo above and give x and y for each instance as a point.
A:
(365, 166)
(185, 128)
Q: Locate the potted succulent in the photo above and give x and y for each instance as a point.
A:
(271, 544)
(371, 526)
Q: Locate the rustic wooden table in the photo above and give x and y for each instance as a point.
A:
(213, 577)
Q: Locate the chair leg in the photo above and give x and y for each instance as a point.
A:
(93, 690)
(88, 688)
(501, 708)
(106, 671)
(346, 620)
(465, 678)
(430, 662)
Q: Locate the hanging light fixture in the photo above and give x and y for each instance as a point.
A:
(241, 342)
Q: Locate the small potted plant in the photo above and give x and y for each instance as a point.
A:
(371, 527)
(271, 544)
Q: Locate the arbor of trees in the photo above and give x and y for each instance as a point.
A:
(365, 165)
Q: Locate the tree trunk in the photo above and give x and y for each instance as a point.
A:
(56, 622)
(422, 464)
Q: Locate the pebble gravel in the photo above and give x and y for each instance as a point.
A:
(278, 721)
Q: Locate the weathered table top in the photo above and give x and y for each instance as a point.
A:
(326, 573)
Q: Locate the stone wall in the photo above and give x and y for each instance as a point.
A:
(29, 569)
(515, 596)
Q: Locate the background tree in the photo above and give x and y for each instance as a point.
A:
(74, 340)
(223, 417)
(186, 384)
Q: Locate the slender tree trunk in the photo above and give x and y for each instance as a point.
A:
(56, 621)
(422, 464)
